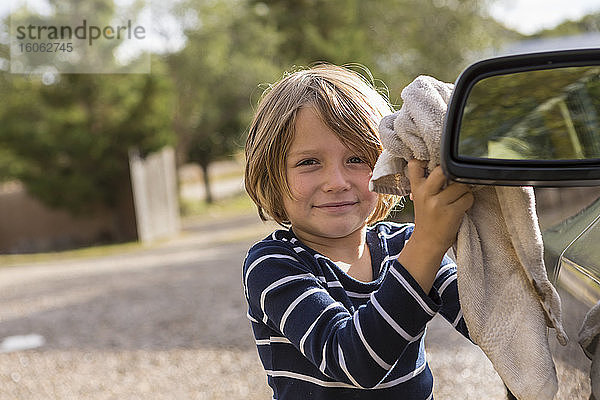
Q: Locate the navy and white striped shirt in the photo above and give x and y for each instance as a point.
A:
(322, 334)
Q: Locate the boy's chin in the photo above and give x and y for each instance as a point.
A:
(328, 228)
(340, 232)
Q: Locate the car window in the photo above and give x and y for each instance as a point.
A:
(563, 214)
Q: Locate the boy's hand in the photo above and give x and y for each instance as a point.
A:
(439, 210)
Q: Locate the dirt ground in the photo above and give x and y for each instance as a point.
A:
(166, 322)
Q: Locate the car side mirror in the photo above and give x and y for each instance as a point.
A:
(531, 119)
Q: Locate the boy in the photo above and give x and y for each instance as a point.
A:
(338, 302)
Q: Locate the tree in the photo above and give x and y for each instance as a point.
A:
(315, 30)
(67, 136)
(229, 52)
(396, 40)
(72, 137)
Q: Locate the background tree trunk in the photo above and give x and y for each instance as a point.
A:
(208, 197)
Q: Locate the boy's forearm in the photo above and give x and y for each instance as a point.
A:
(422, 260)
(439, 209)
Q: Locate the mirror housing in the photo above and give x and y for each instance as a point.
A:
(485, 156)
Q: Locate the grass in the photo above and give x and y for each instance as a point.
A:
(239, 204)
(85, 252)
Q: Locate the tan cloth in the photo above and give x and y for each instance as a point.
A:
(505, 295)
(589, 336)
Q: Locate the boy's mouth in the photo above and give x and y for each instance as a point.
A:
(337, 206)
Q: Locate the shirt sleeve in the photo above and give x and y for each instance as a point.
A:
(447, 289)
(357, 348)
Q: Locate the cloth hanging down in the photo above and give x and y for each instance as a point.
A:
(506, 297)
(589, 336)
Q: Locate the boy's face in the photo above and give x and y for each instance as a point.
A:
(329, 182)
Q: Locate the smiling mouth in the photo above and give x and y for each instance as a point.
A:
(337, 206)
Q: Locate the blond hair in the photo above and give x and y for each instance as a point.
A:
(346, 102)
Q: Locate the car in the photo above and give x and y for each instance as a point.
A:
(534, 120)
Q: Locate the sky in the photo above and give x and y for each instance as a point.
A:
(530, 16)
(526, 16)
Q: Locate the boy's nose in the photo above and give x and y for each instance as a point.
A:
(336, 180)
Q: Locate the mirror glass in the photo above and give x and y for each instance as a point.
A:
(551, 114)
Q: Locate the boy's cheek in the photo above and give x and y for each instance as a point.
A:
(299, 188)
(374, 199)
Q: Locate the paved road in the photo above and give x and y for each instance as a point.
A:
(166, 322)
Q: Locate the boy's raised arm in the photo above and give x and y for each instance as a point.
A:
(439, 210)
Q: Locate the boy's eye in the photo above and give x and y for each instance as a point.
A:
(309, 161)
(355, 160)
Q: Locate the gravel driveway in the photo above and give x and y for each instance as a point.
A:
(166, 322)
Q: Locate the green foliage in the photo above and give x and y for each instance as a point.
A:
(396, 39)
(317, 30)
(228, 52)
(72, 138)
(67, 136)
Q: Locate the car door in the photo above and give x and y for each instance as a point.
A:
(534, 120)
(570, 223)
